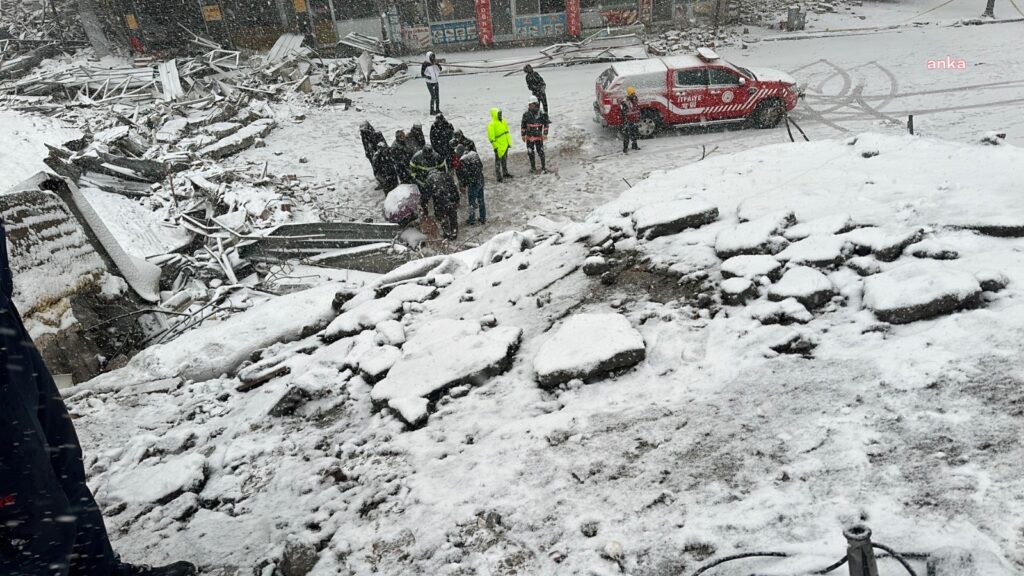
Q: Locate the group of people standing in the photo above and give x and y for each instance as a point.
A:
(431, 165)
(447, 163)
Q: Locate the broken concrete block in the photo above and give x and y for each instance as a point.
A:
(595, 266)
(737, 291)
(365, 316)
(297, 559)
(818, 251)
(807, 285)
(223, 129)
(920, 290)
(795, 343)
(172, 130)
(390, 332)
(587, 346)
(289, 401)
(665, 218)
(887, 245)
(446, 353)
(825, 226)
(238, 141)
(864, 265)
(759, 236)
(375, 365)
(787, 311)
(992, 280)
(931, 248)
(752, 266)
(412, 411)
(159, 483)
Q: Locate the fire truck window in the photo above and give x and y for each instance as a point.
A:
(719, 77)
(692, 78)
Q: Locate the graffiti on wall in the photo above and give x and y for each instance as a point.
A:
(540, 26)
(455, 32)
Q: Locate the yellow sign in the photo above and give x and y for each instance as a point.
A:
(212, 13)
(133, 24)
(300, 5)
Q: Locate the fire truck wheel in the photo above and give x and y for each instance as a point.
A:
(768, 114)
(649, 124)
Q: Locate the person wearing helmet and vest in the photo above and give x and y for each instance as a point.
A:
(630, 108)
(501, 141)
(534, 131)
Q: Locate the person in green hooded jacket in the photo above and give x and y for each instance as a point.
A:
(501, 141)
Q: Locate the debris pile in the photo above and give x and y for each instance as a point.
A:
(151, 166)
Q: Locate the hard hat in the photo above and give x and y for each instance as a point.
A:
(630, 91)
(533, 100)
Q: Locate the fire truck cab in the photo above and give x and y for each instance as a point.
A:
(701, 88)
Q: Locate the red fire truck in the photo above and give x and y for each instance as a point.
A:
(701, 88)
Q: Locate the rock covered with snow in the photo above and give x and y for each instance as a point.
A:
(736, 291)
(366, 316)
(885, 244)
(819, 250)
(920, 290)
(586, 346)
(807, 285)
(788, 311)
(864, 265)
(445, 353)
(158, 483)
(824, 226)
(752, 266)
(760, 236)
(665, 218)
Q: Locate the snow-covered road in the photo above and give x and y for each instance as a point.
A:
(854, 83)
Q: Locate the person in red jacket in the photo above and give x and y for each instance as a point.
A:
(534, 131)
(630, 108)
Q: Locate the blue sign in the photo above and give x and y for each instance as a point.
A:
(540, 26)
(455, 32)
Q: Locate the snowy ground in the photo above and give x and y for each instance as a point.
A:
(24, 141)
(854, 83)
(760, 425)
(733, 433)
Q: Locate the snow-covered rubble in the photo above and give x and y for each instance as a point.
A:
(420, 441)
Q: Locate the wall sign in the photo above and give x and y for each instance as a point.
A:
(540, 26)
(455, 32)
(572, 17)
(483, 22)
(211, 13)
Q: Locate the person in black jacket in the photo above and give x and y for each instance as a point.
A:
(537, 86)
(401, 154)
(460, 139)
(471, 179)
(384, 168)
(370, 137)
(534, 131)
(50, 524)
(446, 202)
(416, 138)
(441, 132)
(423, 163)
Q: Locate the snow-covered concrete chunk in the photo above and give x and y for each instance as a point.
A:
(665, 218)
(824, 226)
(445, 353)
(412, 411)
(787, 311)
(759, 236)
(413, 293)
(992, 280)
(820, 251)
(887, 245)
(390, 332)
(363, 317)
(376, 364)
(736, 291)
(807, 285)
(587, 346)
(920, 290)
(931, 248)
(752, 266)
(864, 265)
(159, 483)
(238, 141)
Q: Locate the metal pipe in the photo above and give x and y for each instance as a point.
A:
(860, 555)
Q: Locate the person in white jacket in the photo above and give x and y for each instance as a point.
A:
(431, 71)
